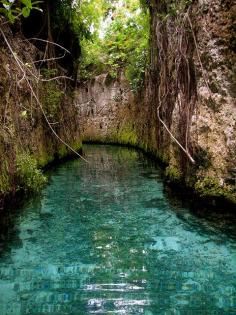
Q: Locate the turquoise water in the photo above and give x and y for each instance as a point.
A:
(105, 238)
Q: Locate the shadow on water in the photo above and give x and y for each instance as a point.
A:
(109, 237)
(212, 218)
(9, 219)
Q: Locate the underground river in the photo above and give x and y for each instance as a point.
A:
(105, 238)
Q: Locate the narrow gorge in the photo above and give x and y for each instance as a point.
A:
(117, 157)
(184, 113)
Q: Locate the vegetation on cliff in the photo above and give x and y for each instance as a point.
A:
(119, 42)
(33, 88)
(152, 42)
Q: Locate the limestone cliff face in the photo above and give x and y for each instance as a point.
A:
(192, 88)
(213, 125)
(106, 110)
(24, 134)
(187, 114)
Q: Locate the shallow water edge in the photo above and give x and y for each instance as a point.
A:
(106, 238)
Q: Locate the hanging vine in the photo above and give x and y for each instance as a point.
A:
(176, 75)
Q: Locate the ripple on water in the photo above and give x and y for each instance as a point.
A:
(104, 239)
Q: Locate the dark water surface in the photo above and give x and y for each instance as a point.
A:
(105, 239)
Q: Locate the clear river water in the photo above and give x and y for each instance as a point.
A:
(107, 238)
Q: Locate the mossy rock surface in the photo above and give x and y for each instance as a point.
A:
(5, 184)
(210, 187)
(30, 177)
(173, 174)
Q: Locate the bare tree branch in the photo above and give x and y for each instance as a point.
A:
(49, 42)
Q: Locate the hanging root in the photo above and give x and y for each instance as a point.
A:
(176, 82)
(204, 74)
(24, 70)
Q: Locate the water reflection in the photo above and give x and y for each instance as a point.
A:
(105, 239)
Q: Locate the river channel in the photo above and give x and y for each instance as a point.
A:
(106, 238)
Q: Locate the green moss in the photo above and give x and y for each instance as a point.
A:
(127, 135)
(4, 178)
(173, 174)
(63, 150)
(210, 187)
(51, 98)
(144, 146)
(30, 178)
(44, 158)
(77, 145)
(45, 153)
(163, 157)
(49, 73)
(203, 161)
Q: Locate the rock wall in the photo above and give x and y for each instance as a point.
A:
(26, 141)
(187, 114)
(192, 88)
(107, 110)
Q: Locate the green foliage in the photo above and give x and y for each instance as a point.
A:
(30, 177)
(73, 22)
(135, 70)
(66, 14)
(120, 42)
(92, 59)
(127, 135)
(4, 178)
(51, 93)
(13, 9)
(207, 187)
(173, 174)
(144, 4)
(210, 187)
(48, 73)
(83, 17)
(174, 8)
(52, 99)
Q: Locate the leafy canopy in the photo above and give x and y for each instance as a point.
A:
(13, 9)
(113, 34)
(120, 33)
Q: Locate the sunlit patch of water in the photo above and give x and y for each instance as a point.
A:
(105, 239)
